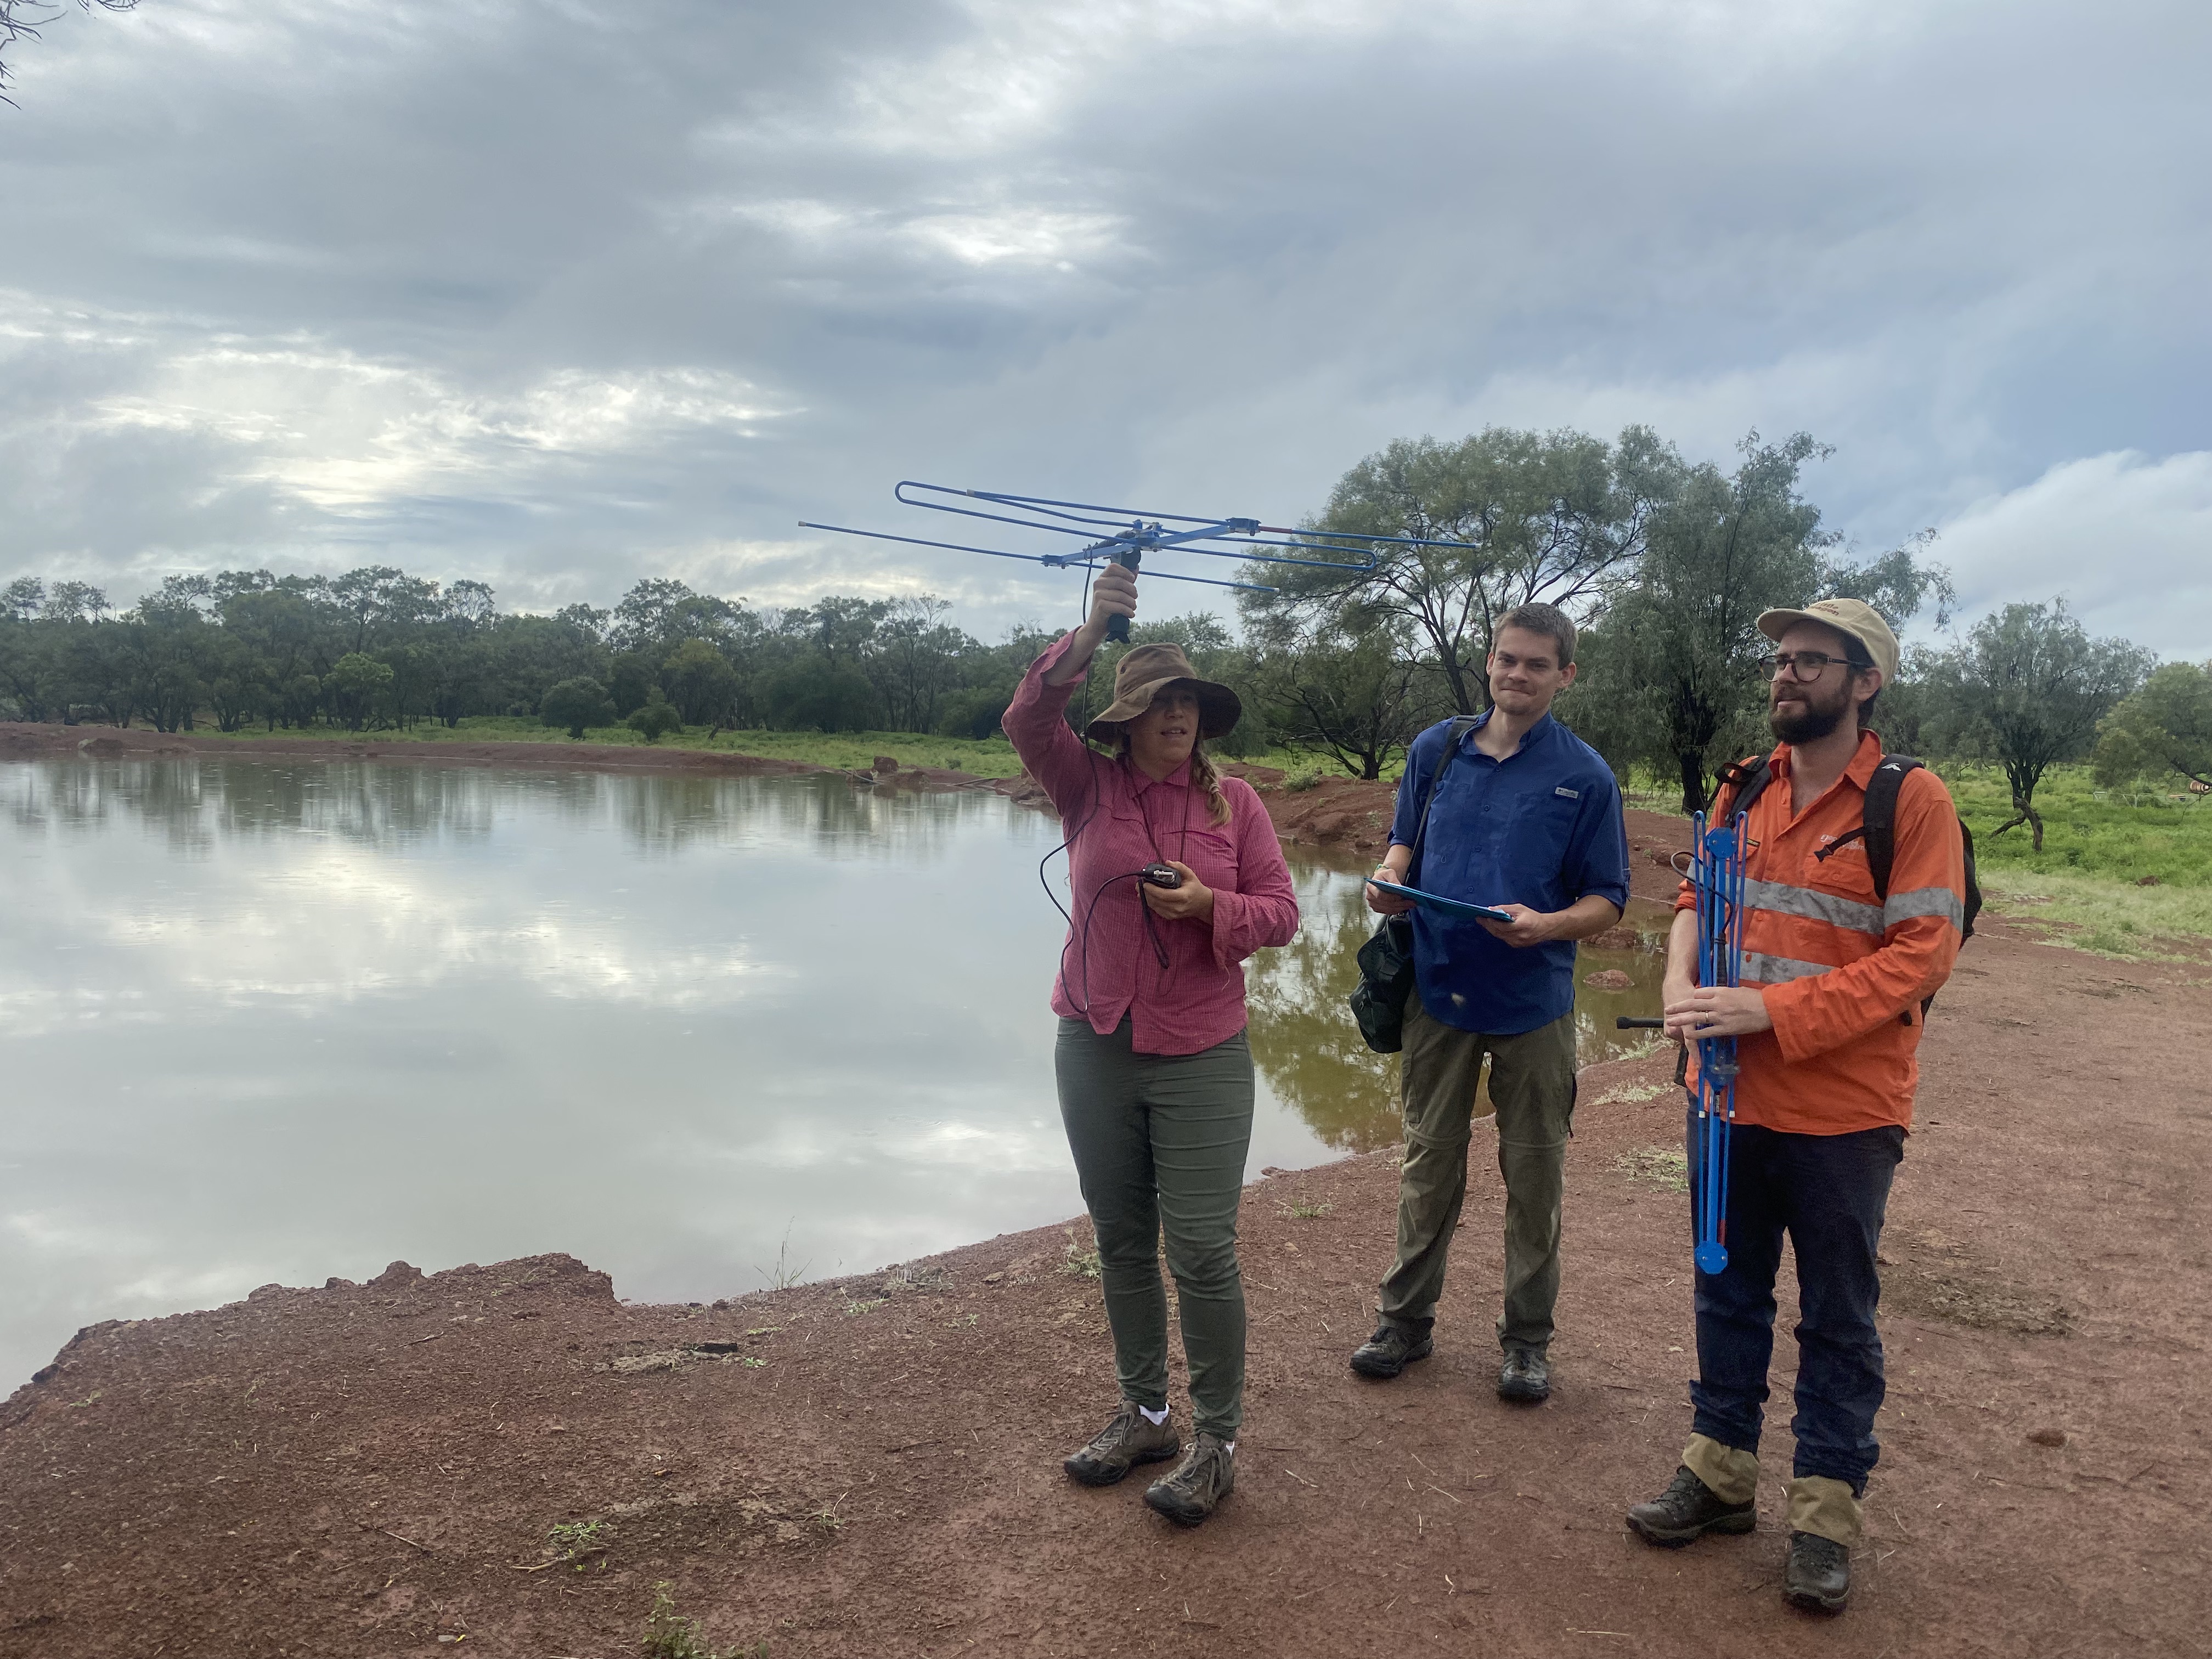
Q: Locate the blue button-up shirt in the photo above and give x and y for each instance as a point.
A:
(1540, 827)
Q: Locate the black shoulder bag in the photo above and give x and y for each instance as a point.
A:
(1386, 961)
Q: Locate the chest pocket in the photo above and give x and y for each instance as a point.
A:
(1210, 851)
(1543, 825)
(1839, 888)
(1844, 872)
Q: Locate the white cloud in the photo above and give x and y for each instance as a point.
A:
(525, 293)
(2127, 540)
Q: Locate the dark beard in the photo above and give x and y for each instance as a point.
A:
(1810, 726)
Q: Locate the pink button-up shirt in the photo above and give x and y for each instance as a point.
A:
(1121, 821)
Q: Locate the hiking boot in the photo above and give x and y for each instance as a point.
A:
(1130, 1439)
(1819, 1576)
(1525, 1376)
(1687, 1507)
(1201, 1480)
(1389, 1351)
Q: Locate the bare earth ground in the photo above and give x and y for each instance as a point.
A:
(871, 1465)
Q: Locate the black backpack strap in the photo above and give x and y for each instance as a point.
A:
(1881, 818)
(1461, 726)
(1748, 779)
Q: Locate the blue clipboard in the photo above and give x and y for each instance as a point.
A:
(1436, 902)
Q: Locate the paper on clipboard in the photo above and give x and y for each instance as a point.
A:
(1436, 902)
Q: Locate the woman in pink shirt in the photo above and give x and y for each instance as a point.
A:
(1154, 1071)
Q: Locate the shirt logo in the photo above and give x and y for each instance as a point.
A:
(1571, 795)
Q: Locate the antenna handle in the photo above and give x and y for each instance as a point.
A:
(1117, 628)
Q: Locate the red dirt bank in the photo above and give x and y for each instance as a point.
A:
(368, 1469)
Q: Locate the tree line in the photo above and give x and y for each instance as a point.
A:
(379, 648)
(1668, 561)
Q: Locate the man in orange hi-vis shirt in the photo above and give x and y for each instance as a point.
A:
(1827, 1027)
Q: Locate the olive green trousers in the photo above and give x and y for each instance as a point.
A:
(1160, 1143)
(1532, 1084)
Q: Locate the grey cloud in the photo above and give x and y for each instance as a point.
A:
(1200, 257)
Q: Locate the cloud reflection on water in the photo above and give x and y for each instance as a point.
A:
(283, 1020)
(278, 1021)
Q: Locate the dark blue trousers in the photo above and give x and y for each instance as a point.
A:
(1829, 1193)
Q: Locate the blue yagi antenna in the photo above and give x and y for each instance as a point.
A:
(1121, 535)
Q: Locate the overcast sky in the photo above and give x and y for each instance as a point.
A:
(556, 296)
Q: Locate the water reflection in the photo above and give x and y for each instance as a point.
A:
(1310, 1053)
(281, 1020)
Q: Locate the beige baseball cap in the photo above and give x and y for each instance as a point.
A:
(1853, 616)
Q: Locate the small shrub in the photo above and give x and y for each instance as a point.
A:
(1079, 1263)
(1665, 1167)
(671, 1635)
(577, 704)
(655, 720)
(570, 1536)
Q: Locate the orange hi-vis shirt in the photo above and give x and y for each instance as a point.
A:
(1841, 973)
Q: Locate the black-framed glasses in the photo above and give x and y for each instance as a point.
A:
(1805, 666)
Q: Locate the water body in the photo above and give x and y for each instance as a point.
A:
(278, 1021)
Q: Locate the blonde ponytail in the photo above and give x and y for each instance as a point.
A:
(1203, 774)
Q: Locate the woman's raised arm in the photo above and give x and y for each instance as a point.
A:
(1035, 721)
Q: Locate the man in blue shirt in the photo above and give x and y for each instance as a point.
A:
(1525, 818)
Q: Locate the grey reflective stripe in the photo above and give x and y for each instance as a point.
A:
(1925, 901)
(1779, 970)
(1836, 911)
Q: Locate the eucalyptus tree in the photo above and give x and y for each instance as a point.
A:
(1561, 517)
(576, 703)
(913, 660)
(1358, 694)
(2163, 732)
(1671, 677)
(2028, 687)
(700, 683)
(355, 686)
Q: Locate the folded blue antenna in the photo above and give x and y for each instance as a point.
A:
(1124, 535)
(1717, 873)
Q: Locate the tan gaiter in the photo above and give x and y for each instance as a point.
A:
(1730, 1472)
(1824, 1508)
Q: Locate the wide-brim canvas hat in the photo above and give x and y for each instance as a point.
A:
(1143, 672)
(1853, 616)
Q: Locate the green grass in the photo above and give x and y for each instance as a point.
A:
(2118, 873)
(2086, 831)
(1666, 1168)
(990, 757)
(993, 758)
(2099, 914)
(671, 1635)
(2099, 847)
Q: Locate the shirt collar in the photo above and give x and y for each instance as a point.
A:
(1140, 780)
(1542, 728)
(1864, 759)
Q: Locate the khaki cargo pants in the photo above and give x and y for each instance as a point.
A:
(1531, 1083)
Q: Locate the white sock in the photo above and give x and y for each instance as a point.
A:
(1228, 1446)
(1154, 1418)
